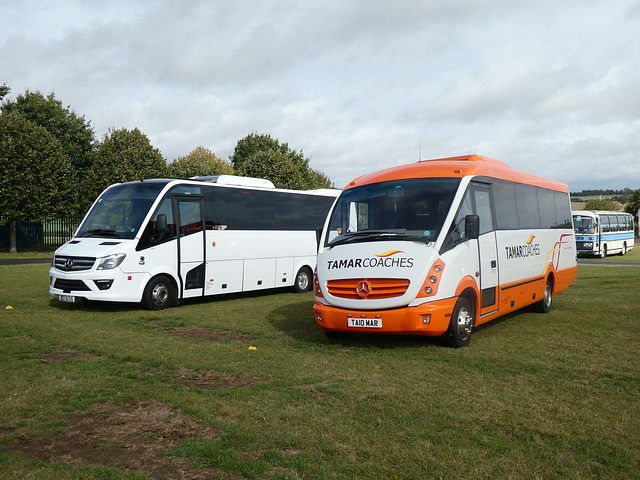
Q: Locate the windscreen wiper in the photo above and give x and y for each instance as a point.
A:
(375, 235)
(100, 231)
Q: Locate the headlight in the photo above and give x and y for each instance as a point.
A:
(111, 262)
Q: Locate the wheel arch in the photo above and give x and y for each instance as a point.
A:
(175, 283)
(468, 288)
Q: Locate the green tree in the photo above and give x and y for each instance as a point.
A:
(602, 204)
(255, 149)
(4, 91)
(277, 167)
(72, 131)
(35, 173)
(200, 162)
(123, 156)
(633, 206)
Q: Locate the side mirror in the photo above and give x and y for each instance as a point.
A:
(162, 223)
(160, 230)
(472, 227)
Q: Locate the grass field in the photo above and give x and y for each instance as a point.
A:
(249, 387)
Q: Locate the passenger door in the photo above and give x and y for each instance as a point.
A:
(487, 247)
(191, 245)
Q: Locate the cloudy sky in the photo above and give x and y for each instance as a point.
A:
(551, 88)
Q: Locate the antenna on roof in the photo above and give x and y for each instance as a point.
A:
(420, 151)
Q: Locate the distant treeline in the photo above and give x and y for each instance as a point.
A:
(620, 196)
(584, 193)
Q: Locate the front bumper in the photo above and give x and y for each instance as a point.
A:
(429, 319)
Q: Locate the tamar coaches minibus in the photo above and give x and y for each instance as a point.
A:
(441, 246)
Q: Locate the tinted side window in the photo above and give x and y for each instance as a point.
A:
(547, 205)
(301, 212)
(483, 208)
(527, 205)
(151, 236)
(241, 209)
(563, 210)
(504, 195)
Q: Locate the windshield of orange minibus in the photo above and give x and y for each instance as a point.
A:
(407, 209)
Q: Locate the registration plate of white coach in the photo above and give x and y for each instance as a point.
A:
(67, 298)
(364, 322)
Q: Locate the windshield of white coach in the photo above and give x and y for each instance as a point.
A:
(410, 209)
(583, 224)
(120, 210)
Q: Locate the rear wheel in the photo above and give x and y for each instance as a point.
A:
(303, 280)
(462, 322)
(624, 248)
(544, 305)
(159, 294)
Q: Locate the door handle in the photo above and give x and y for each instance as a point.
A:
(494, 263)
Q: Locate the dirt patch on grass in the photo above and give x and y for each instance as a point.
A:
(210, 379)
(69, 354)
(200, 333)
(131, 437)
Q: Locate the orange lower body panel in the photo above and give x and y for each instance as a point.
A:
(401, 321)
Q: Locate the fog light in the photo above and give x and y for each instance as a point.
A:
(319, 317)
(433, 279)
(426, 319)
(428, 290)
(103, 284)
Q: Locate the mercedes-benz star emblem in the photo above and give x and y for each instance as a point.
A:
(68, 265)
(363, 288)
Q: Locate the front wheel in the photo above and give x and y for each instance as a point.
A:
(462, 322)
(303, 280)
(158, 294)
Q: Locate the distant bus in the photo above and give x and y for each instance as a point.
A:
(162, 241)
(441, 246)
(601, 233)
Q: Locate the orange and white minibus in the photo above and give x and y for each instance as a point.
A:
(441, 246)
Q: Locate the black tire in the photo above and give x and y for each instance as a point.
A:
(604, 251)
(159, 294)
(624, 249)
(544, 305)
(303, 281)
(461, 324)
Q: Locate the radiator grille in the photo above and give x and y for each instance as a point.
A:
(368, 288)
(73, 264)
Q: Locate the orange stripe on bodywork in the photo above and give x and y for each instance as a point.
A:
(389, 253)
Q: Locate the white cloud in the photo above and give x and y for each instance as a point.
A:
(549, 88)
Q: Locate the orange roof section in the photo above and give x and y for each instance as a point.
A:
(464, 166)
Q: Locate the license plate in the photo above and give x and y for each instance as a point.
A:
(364, 322)
(67, 298)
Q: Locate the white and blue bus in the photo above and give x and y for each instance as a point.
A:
(161, 241)
(601, 233)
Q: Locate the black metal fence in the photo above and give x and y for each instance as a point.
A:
(40, 235)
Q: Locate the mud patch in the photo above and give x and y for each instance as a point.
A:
(200, 333)
(211, 379)
(69, 354)
(131, 437)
